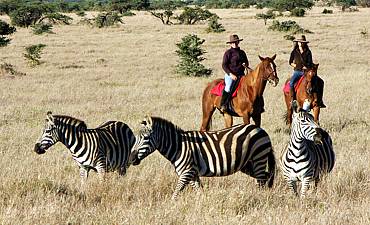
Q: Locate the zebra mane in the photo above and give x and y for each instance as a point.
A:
(68, 120)
(160, 122)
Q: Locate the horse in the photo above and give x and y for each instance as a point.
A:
(306, 88)
(248, 101)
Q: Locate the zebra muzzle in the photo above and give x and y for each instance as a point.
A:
(39, 149)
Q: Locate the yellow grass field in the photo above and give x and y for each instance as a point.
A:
(126, 72)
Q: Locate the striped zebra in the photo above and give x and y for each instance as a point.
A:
(103, 149)
(245, 148)
(309, 153)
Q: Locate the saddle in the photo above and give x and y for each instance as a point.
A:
(286, 87)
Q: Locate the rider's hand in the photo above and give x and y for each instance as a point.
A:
(304, 68)
(233, 76)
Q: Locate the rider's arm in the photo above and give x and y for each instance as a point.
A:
(226, 63)
(291, 60)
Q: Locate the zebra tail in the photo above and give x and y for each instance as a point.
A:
(271, 168)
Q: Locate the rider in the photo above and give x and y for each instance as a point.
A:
(300, 60)
(234, 62)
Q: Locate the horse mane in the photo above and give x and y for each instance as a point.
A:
(159, 122)
(68, 120)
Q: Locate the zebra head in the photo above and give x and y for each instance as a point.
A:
(49, 135)
(304, 125)
(145, 143)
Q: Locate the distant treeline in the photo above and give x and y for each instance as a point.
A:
(6, 6)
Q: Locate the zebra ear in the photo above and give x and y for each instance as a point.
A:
(50, 117)
(295, 106)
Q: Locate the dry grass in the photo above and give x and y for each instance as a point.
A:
(127, 72)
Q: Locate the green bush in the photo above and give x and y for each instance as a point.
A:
(190, 53)
(33, 54)
(214, 26)
(41, 28)
(289, 5)
(288, 26)
(81, 13)
(107, 19)
(193, 15)
(5, 29)
(298, 12)
(327, 11)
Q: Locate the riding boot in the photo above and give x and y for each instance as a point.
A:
(224, 98)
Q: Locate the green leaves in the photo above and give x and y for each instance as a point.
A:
(33, 54)
(190, 53)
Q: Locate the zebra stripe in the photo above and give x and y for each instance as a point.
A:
(309, 153)
(245, 148)
(103, 149)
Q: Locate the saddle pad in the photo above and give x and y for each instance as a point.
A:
(286, 87)
(218, 89)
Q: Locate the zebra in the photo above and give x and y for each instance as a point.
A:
(103, 149)
(309, 153)
(245, 148)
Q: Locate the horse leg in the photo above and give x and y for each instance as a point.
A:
(228, 120)
(208, 109)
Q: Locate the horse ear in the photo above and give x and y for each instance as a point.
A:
(261, 58)
(316, 65)
(273, 57)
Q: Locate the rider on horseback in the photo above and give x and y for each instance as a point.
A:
(234, 63)
(300, 60)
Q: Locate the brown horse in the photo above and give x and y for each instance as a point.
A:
(306, 90)
(248, 102)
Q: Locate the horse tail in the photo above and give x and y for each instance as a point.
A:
(207, 107)
(271, 162)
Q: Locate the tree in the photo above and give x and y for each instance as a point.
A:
(190, 53)
(26, 15)
(163, 16)
(289, 5)
(192, 15)
(33, 54)
(266, 16)
(214, 26)
(5, 29)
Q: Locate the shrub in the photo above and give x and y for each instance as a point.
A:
(33, 54)
(363, 3)
(327, 11)
(5, 29)
(214, 26)
(288, 26)
(42, 28)
(269, 15)
(298, 12)
(81, 13)
(128, 13)
(193, 15)
(364, 33)
(107, 19)
(289, 37)
(8, 69)
(190, 53)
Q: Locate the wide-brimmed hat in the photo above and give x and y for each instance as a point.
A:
(233, 38)
(302, 39)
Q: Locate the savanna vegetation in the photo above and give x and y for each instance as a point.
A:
(127, 71)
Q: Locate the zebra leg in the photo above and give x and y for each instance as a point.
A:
(122, 171)
(292, 183)
(184, 179)
(195, 183)
(305, 186)
(101, 169)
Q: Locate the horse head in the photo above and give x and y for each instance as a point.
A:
(270, 73)
(310, 75)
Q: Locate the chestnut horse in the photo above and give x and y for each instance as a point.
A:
(305, 91)
(248, 102)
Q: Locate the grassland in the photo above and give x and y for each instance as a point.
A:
(127, 72)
